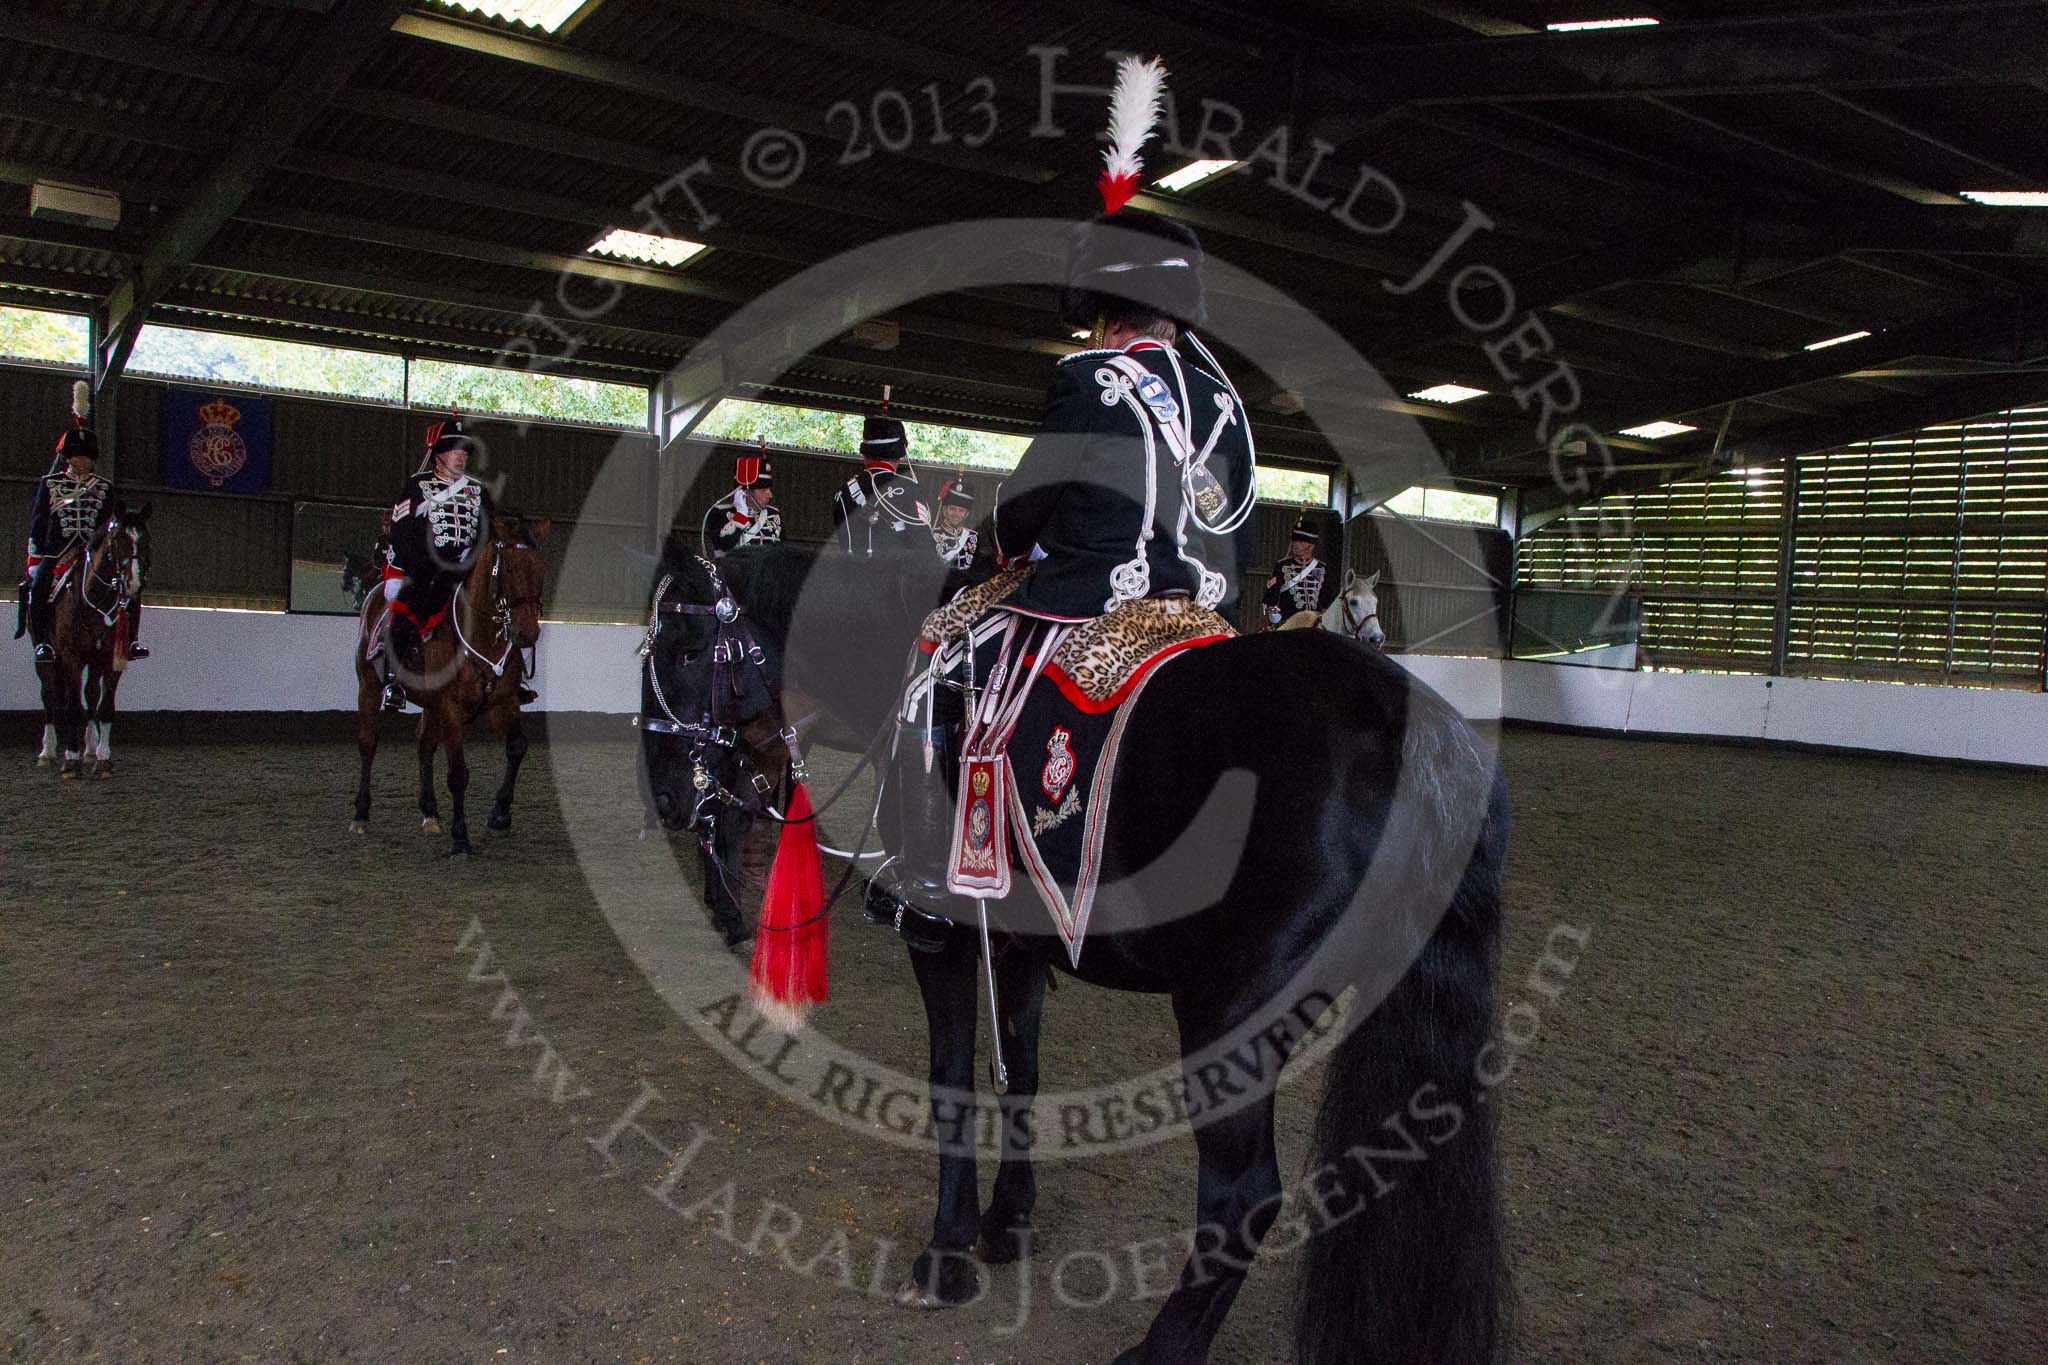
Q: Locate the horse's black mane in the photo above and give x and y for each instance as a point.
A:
(771, 578)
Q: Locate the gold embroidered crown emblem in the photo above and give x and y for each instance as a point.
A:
(981, 784)
(220, 413)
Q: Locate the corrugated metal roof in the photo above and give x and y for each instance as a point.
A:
(439, 193)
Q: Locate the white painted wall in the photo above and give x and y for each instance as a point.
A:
(270, 661)
(265, 661)
(1993, 724)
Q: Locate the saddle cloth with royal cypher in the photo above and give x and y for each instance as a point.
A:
(1039, 760)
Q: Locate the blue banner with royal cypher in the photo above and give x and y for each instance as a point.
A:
(216, 442)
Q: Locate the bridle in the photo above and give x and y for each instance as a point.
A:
(97, 561)
(1355, 628)
(502, 609)
(732, 646)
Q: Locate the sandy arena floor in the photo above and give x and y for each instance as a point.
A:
(1788, 1106)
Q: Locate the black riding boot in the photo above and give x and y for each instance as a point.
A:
(399, 639)
(910, 890)
(41, 614)
(136, 649)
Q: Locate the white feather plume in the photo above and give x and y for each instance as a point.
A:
(81, 399)
(1134, 107)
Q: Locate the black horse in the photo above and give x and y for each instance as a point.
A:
(1371, 858)
(736, 845)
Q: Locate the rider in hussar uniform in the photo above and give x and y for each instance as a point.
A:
(1143, 459)
(65, 511)
(957, 542)
(747, 516)
(1300, 582)
(877, 510)
(438, 528)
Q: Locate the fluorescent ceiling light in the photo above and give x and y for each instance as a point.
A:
(1836, 341)
(1192, 174)
(1080, 335)
(2009, 199)
(1657, 431)
(545, 15)
(1588, 25)
(645, 246)
(1447, 393)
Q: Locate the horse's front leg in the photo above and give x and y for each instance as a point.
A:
(945, 1275)
(1020, 999)
(369, 701)
(727, 883)
(515, 754)
(70, 714)
(46, 676)
(103, 745)
(458, 785)
(430, 805)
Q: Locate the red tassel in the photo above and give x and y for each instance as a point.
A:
(788, 973)
(1116, 190)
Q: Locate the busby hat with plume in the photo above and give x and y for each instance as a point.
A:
(1130, 260)
(443, 437)
(77, 438)
(955, 493)
(1303, 531)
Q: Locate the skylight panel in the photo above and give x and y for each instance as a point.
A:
(1192, 174)
(1447, 393)
(545, 15)
(626, 245)
(1657, 431)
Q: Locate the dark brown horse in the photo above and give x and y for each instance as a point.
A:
(470, 665)
(89, 631)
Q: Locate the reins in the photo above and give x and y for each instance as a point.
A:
(502, 609)
(90, 576)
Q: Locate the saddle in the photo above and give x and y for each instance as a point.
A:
(1048, 706)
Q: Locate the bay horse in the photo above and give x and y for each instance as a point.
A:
(89, 632)
(471, 665)
(1371, 859)
(1353, 613)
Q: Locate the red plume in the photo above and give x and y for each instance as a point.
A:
(788, 974)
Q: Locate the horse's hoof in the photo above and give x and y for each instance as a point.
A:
(359, 827)
(42, 760)
(460, 851)
(70, 772)
(1001, 1245)
(104, 771)
(499, 823)
(429, 825)
(957, 1282)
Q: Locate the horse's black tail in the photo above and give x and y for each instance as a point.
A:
(1409, 1265)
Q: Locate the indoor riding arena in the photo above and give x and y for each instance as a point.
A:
(483, 883)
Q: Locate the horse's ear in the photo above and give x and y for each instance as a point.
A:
(1372, 582)
(539, 529)
(1350, 576)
